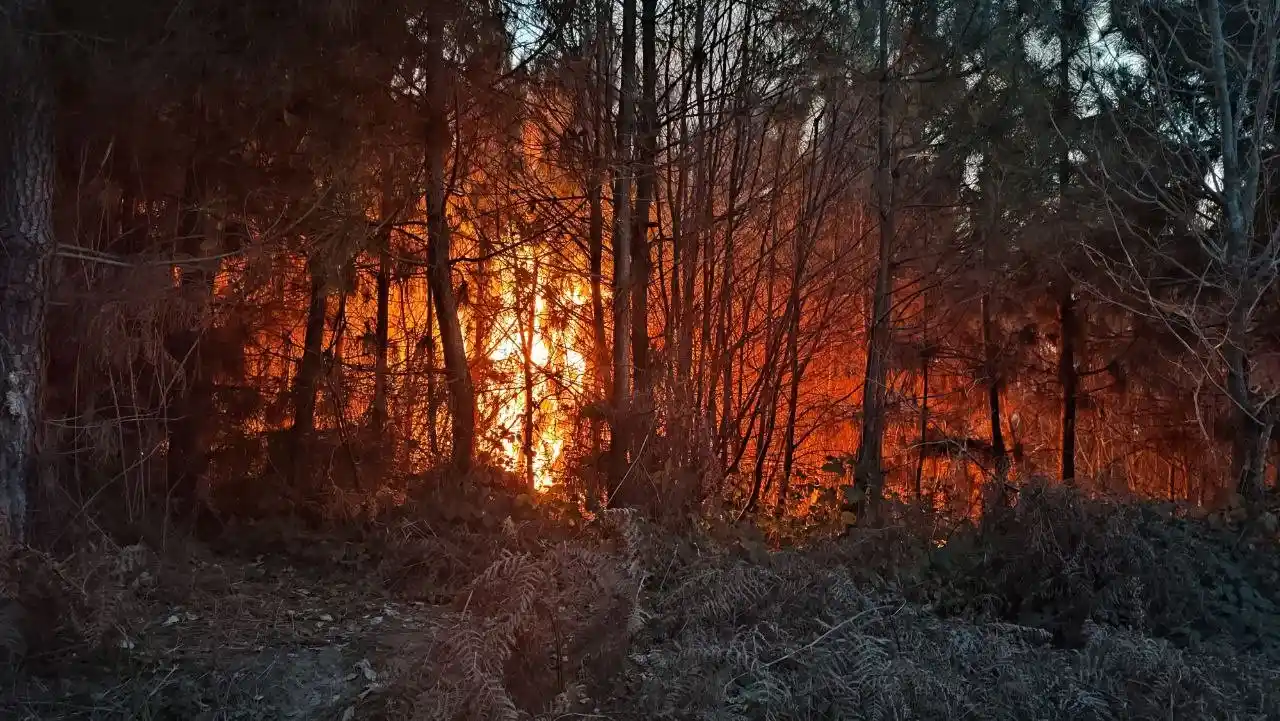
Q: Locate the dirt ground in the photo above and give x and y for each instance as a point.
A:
(222, 636)
(1066, 611)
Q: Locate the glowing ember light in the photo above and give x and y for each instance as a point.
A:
(531, 401)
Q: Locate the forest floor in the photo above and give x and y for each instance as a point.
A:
(1061, 609)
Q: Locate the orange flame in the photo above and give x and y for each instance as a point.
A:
(554, 363)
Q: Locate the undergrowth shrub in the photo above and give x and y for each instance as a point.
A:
(796, 636)
(1057, 559)
(539, 631)
(78, 602)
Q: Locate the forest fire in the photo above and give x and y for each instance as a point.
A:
(529, 384)
(633, 359)
(660, 251)
(536, 351)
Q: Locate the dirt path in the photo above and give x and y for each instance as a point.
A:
(228, 638)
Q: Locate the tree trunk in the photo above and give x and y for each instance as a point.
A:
(26, 233)
(333, 357)
(192, 410)
(685, 272)
(730, 421)
(868, 468)
(991, 362)
(527, 329)
(307, 381)
(1069, 378)
(382, 332)
(704, 383)
(1251, 426)
(1068, 375)
(621, 397)
(595, 193)
(793, 394)
(926, 359)
(433, 388)
(676, 325)
(1241, 169)
(771, 372)
(462, 399)
(647, 147)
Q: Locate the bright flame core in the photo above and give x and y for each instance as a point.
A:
(537, 350)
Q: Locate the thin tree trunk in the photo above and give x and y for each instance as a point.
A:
(868, 468)
(333, 371)
(382, 330)
(771, 374)
(1069, 378)
(462, 399)
(998, 452)
(704, 392)
(192, 409)
(622, 281)
(595, 193)
(685, 272)
(708, 378)
(926, 359)
(26, 233)
(679, 362)
(793, 395)
(768, 424)
(528, 327)
(306, 382)
(1241, 168)
(730, 422)
(647, 148)
(1068, 375)
(764, 440)
(1252, 424)
(433, 390)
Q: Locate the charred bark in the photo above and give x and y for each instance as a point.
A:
(1068, 375)
(991, 369)
(307, 382)
(595, 200)
(622, 281)
(868, 468)
(26, 236)
(192, 410)
(1069, 378)
(645, 184)
(926, 359)
(462, 399)
(382, 333)
(528, 328)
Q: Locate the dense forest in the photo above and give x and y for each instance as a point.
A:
(775, 272)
